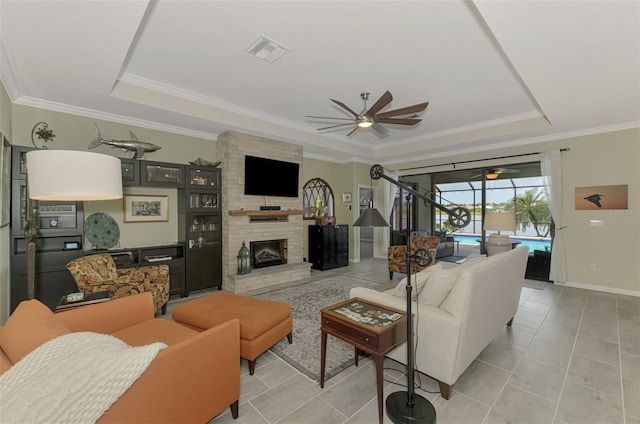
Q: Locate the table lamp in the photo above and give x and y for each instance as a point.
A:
(499, 221)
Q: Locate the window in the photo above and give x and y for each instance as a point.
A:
(317, 199)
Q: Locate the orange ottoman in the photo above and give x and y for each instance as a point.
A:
(262, 322)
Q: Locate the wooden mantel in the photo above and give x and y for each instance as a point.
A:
(266, 216)
(265, 213)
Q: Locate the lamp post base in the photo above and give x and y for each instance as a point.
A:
(399, 411)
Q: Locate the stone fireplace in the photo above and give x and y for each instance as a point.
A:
(244, 221)
(268, 253)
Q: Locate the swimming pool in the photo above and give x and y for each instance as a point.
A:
(532, 243)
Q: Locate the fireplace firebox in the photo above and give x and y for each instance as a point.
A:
(267, 253)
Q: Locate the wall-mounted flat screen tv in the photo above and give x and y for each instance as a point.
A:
(269, 177)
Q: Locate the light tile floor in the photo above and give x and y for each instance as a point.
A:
(571, 356)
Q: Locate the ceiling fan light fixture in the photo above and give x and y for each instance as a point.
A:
(365, 122)
(492, 175)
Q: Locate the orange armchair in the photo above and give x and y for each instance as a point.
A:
(397, 255)
(96, 273)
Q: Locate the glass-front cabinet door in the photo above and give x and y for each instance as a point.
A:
(203, 177)
(203, 200)
(162, 174)
(203, 230)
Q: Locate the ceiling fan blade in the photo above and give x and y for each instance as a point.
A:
(399, 121)
(404, 110)
(345, 107)
(334, 126)
(328, 117)
(382, 131)
(352, 131)
(384, 100)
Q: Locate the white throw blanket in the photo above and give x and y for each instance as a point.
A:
(73, 378)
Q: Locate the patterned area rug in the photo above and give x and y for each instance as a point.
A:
(306, 300)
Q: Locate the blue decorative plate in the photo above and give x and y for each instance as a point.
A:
(101, 230)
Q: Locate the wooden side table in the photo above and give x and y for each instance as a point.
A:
(369, 327)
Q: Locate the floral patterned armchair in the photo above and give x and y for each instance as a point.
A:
(397, 255)
(96, 273)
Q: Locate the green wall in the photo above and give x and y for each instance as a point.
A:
(603, 159)
(595, 160)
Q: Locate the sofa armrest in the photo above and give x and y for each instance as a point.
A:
(191, 381)
(111, 316)
(437, 335)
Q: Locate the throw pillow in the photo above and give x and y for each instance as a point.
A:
(30, 325)
(418, 281)
(438, 287)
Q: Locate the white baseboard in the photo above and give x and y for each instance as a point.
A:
(605, 289)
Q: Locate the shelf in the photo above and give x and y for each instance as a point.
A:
(266, 216)
(265, 213)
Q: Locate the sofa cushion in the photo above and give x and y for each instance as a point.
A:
(30, 325)
(419, 279)
(438, 287)
(470, 261)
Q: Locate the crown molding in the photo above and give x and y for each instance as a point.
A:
(112, 117)
(207, 101)
(517, 143)
(7, 76)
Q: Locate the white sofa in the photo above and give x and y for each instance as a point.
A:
(483, 297)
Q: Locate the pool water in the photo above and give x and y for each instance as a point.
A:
(531, 243)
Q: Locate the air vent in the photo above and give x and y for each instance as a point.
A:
(266, 49)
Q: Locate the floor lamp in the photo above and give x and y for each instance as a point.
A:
(66, 175)
(408, 407)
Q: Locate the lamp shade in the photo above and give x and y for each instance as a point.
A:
(500, 221)
(73, 175)
(370, 217)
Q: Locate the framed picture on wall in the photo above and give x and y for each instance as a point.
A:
(5, 167)
(143, 208)
(602, 197)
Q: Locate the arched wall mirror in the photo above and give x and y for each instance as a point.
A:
(317, 199)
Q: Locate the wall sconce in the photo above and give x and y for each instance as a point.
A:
(41, 129)
(244, 264)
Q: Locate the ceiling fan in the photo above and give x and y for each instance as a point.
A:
(494, 173)
(372, 119)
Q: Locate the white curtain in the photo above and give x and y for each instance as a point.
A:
(551, 167)
(388, 195)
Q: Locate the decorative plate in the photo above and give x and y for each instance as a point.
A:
(101, 230)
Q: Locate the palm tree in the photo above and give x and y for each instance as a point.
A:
(532, 208)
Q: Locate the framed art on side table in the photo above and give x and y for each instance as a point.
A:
(142, 208)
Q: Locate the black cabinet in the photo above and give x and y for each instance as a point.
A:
(130, 172)
(171, 255)
(201, 228)
(538, 265)
(52, 279)
(328, 246)
(195, 262)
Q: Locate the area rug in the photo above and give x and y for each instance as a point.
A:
(306, 300)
